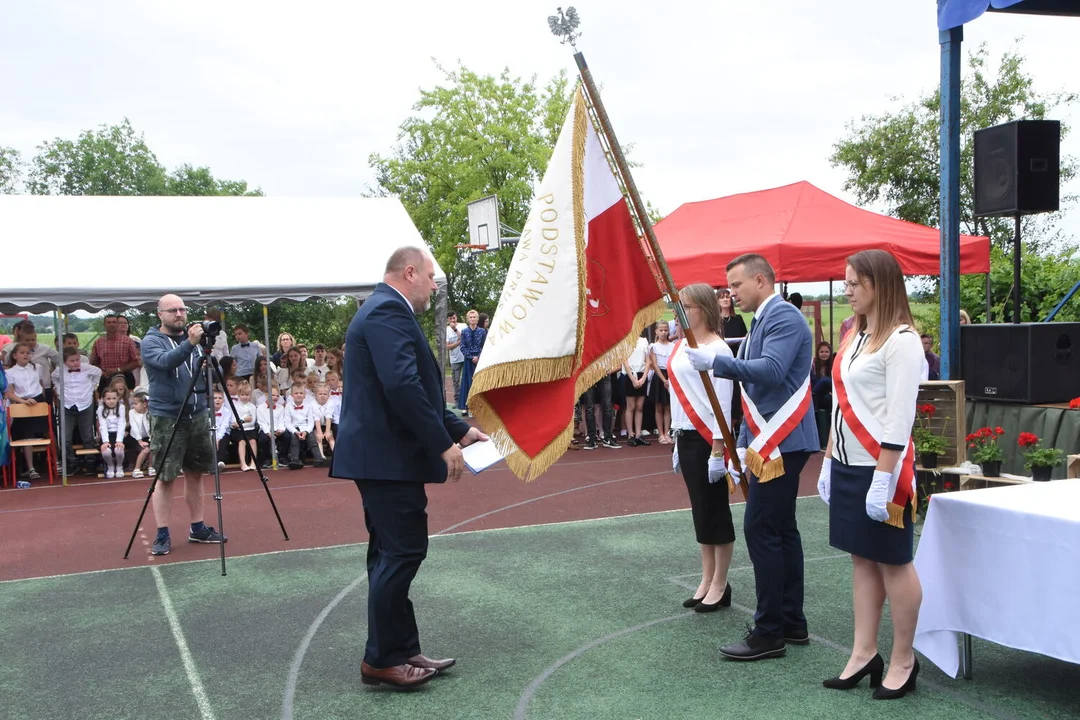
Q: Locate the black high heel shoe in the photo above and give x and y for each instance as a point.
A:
(875, 669)
(692, 602)
(884, 693)
(724, 601)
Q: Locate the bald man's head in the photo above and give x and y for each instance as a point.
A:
(411, 270)
(172, 313)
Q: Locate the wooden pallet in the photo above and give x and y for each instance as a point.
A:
(950, 420)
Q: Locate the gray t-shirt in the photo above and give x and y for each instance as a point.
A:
(456, 358)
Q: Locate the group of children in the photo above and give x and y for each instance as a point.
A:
(115, 420)
(305, 424)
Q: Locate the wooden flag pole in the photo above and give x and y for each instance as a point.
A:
(668, 286)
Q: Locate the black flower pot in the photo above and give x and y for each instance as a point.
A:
(1041, 474)
(992, 468)
(928, 460)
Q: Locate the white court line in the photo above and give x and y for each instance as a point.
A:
(185, 653)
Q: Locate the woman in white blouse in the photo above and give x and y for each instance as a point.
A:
(867, 477)
(699, 449)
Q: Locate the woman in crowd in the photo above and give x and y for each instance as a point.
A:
(659, 354)
(867, 477)
(285, 341)
(821, 376)
(699, 449)
(731, 321)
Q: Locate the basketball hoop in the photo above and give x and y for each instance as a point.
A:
(467, 251)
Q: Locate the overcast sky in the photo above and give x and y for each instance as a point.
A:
(717, 97)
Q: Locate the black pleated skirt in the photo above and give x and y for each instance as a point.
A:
(851, 529)
(710, 504)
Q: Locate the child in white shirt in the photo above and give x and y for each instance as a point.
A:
(324, 417)
(282, 437)
(112, 423)
(24, 388)
(245, 419)
(222, 424)
(300, 419)
(80, 381)
(139, 422)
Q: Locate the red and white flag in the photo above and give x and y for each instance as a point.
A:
(577, 295)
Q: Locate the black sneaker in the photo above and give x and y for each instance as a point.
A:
(206, 535)
(609, 442)
(296, 465)
(633, 441)
(754, 647)
(643, 441)
(590, 443)
(162, 545)
(796, 636)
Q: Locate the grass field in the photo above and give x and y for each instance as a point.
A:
(563, 621)
(86, 339)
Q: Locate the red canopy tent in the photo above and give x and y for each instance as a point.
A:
(803, 231)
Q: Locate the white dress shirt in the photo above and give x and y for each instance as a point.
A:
(300, 418)
(140, 425)
(263, 416)
(79, 385)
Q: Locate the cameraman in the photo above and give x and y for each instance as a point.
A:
(170, 355)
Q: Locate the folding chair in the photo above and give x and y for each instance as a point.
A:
(18, 411)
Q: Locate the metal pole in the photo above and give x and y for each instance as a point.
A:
(1016, 271)
(668, 286)
(989, 298)
(269, 395)
(832, 344)
(58, 393)
(950, 41)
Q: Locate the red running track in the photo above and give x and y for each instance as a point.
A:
(54, 530)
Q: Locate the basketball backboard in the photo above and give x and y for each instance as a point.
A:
(484, 228)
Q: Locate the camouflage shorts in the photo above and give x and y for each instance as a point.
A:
(191, 450)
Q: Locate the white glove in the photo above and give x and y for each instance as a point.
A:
(717, 469)
(701, 358)
(741, 452)
(824, 480)
(877, 497)
(675, 460)
(736, 477)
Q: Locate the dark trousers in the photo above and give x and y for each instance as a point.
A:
(263, 443)
(396, 519)
(84, 419)
(775, 547)
(309, 442)
(598, 393)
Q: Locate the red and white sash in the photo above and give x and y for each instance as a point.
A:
(695, 404)
(869, 431)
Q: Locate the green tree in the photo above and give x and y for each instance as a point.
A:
(115, 160)
(10, 170)
(473, 135)
(892, 160)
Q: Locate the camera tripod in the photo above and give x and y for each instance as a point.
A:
(206, 365)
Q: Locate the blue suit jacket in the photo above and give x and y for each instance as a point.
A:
(777, 361)
(394, 422)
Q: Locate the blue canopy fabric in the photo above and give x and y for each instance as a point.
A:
(953, 13)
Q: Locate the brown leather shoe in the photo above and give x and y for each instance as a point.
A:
(402, 677)
(421, 661)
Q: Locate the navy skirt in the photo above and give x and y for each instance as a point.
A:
(851, 529)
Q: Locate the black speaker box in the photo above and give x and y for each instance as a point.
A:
(1026, 363)
(1017, 168)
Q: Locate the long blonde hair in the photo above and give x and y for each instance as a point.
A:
(881, 270)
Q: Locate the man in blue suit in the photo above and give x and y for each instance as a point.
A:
(394, 436)
(773, 367)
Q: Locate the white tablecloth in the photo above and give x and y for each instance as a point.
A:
(1001, 564)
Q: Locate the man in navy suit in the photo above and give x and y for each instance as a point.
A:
(773, 367)
(394, 436)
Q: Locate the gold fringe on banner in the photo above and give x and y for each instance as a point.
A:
(896, 513)
(764, 470)
(521, 372)
(526, 468)
(577, 168)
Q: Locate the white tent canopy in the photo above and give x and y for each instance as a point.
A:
(122, 252)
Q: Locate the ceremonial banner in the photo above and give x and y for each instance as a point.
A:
(577, 295)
